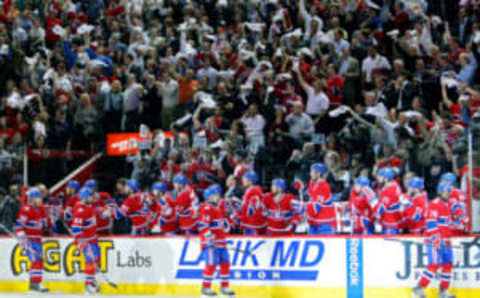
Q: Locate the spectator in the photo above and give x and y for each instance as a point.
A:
(132, 107)
(85, 121)
(168, 89)
(113, 107)
(349, 67)
(373, 63)
(317, 100)
(9, 208)
(254, 122)
(186, 88)
(300, 124)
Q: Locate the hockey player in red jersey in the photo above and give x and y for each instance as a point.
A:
(320, 211)
(388, 210)
(84, 230)
(213, 229)
(29, 227)
(166, 213)
(361, 197)
(415, 209)
(458, 205)
(186, 205)
(252, 218)
(439, 247)
(282, 210)
(230, 208)
(99, 204)
(71, 198)
(134, 207)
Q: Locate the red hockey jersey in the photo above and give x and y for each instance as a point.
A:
(84, 224)
(68, 209)
(186, 207)
(99, 204)
(166, 214)
(438, 219)
(414, 213)
(389, 208)
(320, 210)
(31, 222)
(252, 215)
(361, 209)
(283, 213)
(231, 208)
(212, 225)
(134, 207)
(458, 207)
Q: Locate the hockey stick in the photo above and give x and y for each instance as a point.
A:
(15, 237)
(416, 242)
(105, 277)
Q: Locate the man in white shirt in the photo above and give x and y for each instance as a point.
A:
(253, 121)
(339, 43)
(372, 62)
(317, 99)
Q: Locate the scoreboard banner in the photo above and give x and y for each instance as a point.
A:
(260, 267)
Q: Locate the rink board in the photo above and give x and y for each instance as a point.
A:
(274, 267)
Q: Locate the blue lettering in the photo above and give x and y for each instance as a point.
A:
(304, 262)
(250, 253)
(236, 253)
(183, 256)
(279, 253)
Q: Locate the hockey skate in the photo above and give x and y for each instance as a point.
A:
(227, 292)
(418, 292)
(38, 287)
(445, 294)
(92, 288)
(207, 292)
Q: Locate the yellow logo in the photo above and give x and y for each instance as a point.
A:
(55, 258)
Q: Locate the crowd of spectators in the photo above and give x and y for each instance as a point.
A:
(269, 85)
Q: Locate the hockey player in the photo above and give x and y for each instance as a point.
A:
(439, 248)
(361, 197)
(71, 198)
(282, 210)
(458, 205)
(166, 213)
(320, 211)
(186, 205)
(213, 229)
(388, 209)
(84, 230)
(414, 212)
(252, 219)
(134, 207)
(230, 208)
(31, 221)
(99, 204)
